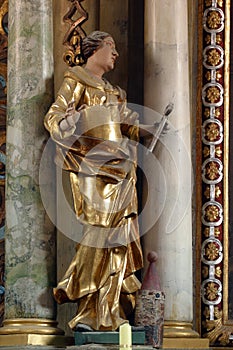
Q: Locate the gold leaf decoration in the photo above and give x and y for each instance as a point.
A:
(216, 232)
(212, 251)
(207, 39)
(218, 151)
(218, 39)
(218, 75)
(213, 57)
(213, 94)
(212, 171)
(207, 192)
(218, 272)
(205, 271)
(208, 75)
(212, 131)
(214, 20)
(206, 312)
(211, 291)
(207, 112)
(217, 332)
(212, 213)
(206, 151)
(207, 232)
(217, 113)
(218, 192)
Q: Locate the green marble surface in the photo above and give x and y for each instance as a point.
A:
(30, 264)
(106, 338)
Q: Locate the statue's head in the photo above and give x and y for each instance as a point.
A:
(93, 42)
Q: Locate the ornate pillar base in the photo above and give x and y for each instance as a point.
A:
(32, 331)
(180, 335)
(176, 329)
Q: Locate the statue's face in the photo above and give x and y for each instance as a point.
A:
(106, 54)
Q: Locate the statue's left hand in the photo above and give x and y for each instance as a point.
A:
(71, 117)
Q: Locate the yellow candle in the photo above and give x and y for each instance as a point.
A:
(125, 336)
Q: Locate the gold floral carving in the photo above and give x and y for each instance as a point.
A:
(207, 192)
(213, 57)
(216, 331)
(206, 232)
(206, 151)
(207, 113)
(205, 271)
(216, 232)
(209, 2)
(208, 39)
(206, 312)
(218, 272)
(208, 76)
(217, 192)
(213, 94)
(212, 131)
(218, 76)
(212, 213)
(218, 151)
(217, 113)
(211, 291)
(211, 251)
(214, 19)
(212, 171)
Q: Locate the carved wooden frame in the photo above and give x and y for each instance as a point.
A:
(213, 115)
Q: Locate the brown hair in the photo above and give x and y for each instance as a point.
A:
(92, 42)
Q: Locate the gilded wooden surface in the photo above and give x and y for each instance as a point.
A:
(75, 17)
(213, 122)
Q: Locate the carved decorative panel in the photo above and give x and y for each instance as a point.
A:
(213, 178)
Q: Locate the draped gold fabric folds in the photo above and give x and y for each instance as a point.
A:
(100, 154)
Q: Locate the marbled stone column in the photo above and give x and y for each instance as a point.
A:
(166, 77)
(30, 237)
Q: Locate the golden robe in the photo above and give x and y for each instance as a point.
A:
(100, 155)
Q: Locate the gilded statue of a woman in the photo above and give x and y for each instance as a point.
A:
(96, 136)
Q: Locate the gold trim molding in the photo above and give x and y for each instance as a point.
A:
(180, 335)
(18, 340)
(175, 329)
(185, 343)
(30, 326)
